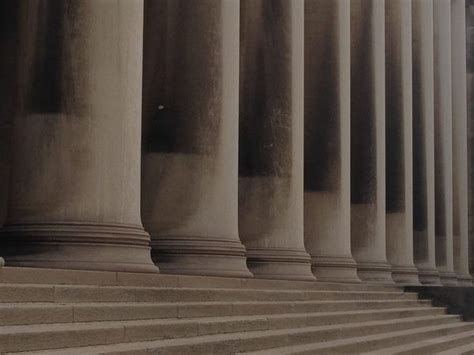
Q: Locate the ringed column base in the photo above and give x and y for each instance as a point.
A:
(78, 246)
(464, 280)
(376, 272)
(280, 264)
(448, 278)
(200, 256)
(405, 275)
(428, 275)
(335, 269)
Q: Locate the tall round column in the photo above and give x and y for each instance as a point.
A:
(423, 143)
(327, 140)
(75, 181)
(443, 142)
(368, 140)
(271, 138)
(399, 152)
(190, 136)
(9, 11)
(460, 156)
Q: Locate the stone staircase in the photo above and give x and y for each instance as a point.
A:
(78, 312)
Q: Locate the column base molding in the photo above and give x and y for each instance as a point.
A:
(280, 264)
(448, 278)
(335, 269)
(2, 262)
(79, 246)
(428, 276)
(464, 279)
(200, 256)
(405, 275)
(377, 272)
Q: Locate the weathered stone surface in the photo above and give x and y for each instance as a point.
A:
(190, 140)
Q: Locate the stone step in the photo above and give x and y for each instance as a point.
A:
(65, 293)
(191, 336)
(23, 275)
(459, 350)
(42, 313)
(432, 345)
(24, 313)
(377, 343)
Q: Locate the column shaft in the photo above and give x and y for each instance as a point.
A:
(399, 162)
(368, 140)
(271, 138)
(423, 143)
(443, 141)
(327, 140)
(75, 181)
(460, 187)
(9, 11)
(190, 134)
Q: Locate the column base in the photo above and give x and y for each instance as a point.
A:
(79, 246)
(428, 276)
(405, 275)
(280, 264)
(448, 278)
(464, 280)
(374, 272)
(200, 256)
(2, 262)
(335, 269)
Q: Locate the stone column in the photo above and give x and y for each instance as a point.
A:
(443, 141)
(327, 140)
(271, 138)
(75, 181)
(460, 187)
(9, 11)
(399, 161)
(423, 143)
(190, 151)
(368, 140)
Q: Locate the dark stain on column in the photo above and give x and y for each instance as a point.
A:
(440, 210)
(394, 134)
(9, 43)
(181, 77)
(363, 125)
(265, 144)
(54, 50)
(322, 126)
(420, 193)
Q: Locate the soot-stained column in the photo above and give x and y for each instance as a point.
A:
(327, 140)
(399, 152)
(368, 140)
(423, 143)
(9, 41)
(190, 136)
(460, 156)
(271, 138)
(75, 180)
(443, 141)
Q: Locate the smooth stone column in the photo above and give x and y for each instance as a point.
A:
(399, 152)
(75, 181)
(368, 140)
(190, 151)
(327, 140)
(9, 11)
(271, 138)
(423, 143)
(443, 142)
(460, 173)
